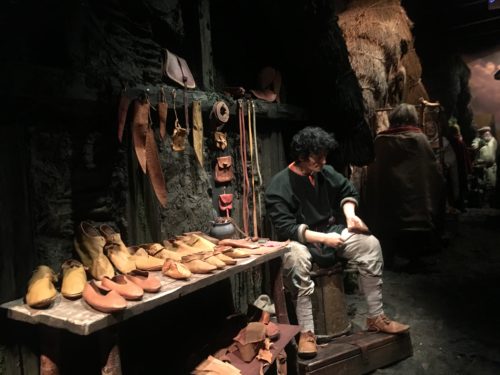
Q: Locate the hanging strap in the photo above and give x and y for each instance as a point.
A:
(257, 163)
(252, 168)
(162, 113)
(243, 154)
(198, 131)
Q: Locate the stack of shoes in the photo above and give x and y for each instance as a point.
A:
(148, 282)
(124, 287)
(74, 279)
(41, 290)
(116, 250)
(103, 299)
(89, 245)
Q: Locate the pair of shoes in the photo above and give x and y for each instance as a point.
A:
(116, 250)
(143, 261)
(381, 323)
(74, 279)
(148, 282)
(89, 245)
(175, 270)
(103, 299)
(307, 345)
(124, 287)
(41, 290)
(195, 264)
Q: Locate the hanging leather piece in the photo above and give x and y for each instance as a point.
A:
(123, 105)
(179, 134)
(177, 69)
(244, 170)
(162, 114)
(257, 163)
(198, 131)
(154, 170)
(140, 124)
(220, 112)
(252, 168)
(220, 140)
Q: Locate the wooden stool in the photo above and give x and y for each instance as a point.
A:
(329, 306)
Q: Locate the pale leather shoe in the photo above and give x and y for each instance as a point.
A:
(124, 287)
(228, 260)
(103, 299)
(381, 323)
(176, 270)
(307, 345)
(148, 282)
(89, 245)
(196, 265)
(237, 253)
(197, 242)
(143, 261)
(116, 250)
(159, 251)
(74, 279)
(210, 258)
(41, 290)
(185, 249)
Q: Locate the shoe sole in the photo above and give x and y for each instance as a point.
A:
(307, 355)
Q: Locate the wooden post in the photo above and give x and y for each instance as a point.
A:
(207, 64)
(276, 275)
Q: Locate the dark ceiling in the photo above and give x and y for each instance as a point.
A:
(464, 26)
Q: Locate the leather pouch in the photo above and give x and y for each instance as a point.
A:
(224, 169)
(177, 69)
(179, 138)
(226, 202)
(220, 140)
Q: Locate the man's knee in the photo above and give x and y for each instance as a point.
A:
(298, 258)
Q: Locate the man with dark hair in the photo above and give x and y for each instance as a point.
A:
(306, 202)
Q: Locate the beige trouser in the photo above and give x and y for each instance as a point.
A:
(362, 251)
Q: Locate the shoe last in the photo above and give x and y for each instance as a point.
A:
(124, 287)
(145, 280)
(41, 290)
(381, 323)
(73, 279)
(103, 299)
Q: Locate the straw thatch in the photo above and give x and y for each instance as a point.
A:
(380, 43)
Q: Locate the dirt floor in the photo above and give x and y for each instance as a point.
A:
(451, 299)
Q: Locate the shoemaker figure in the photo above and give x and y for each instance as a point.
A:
(305, 203)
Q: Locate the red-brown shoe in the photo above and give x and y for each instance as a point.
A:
(307, 345)
(382, 323)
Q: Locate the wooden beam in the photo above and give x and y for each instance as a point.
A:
(207, 64)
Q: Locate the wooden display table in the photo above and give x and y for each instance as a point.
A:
(78, 317)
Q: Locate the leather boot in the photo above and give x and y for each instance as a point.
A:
(381, 323)
(307, 345)
(41, 290)
(89, 245)
(73, 279)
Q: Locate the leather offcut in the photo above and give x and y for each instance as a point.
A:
(177, 69)
(154, 170)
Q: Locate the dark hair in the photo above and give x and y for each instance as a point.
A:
(403, 114)
(311, 141)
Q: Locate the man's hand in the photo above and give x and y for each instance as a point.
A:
(333, 240)
(356, 225)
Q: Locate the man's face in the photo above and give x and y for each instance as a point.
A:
(314, 163)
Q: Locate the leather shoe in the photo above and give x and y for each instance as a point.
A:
(73, 279)
(145, 280)
(41, 290)
(124, 287)
(307, 345)
(175, 270)
(159, 251)
(196, 265)
(143, 261)
(103, 299)
(382, 323)
(116, 250)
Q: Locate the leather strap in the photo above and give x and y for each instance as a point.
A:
(154, 169)
(220, 112)
(252, 169)
(257, 163)
(244, 170)
(186, 108)
(123, 106)
(162, 114)
(140, 124)
(198, 131)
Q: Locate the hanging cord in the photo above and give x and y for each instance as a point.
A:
(257, 163)
(243, 154)
(252, 169)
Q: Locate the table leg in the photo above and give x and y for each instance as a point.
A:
(110, 352)
(276, 275)
(50, 346)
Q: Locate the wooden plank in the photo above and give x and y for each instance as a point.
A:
(78, 317)
(207, 63)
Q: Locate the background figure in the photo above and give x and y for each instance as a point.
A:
(405, 188)
(485, 146)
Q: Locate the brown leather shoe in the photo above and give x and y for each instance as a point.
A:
(175, 270)
(145, 280)
(116, 250)
(89, 244)
(159, 251)
(73, 279)
(196, 265)
(103, 299)
(382, 323)
(124, 287)
(41, 291)
(307, 345)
